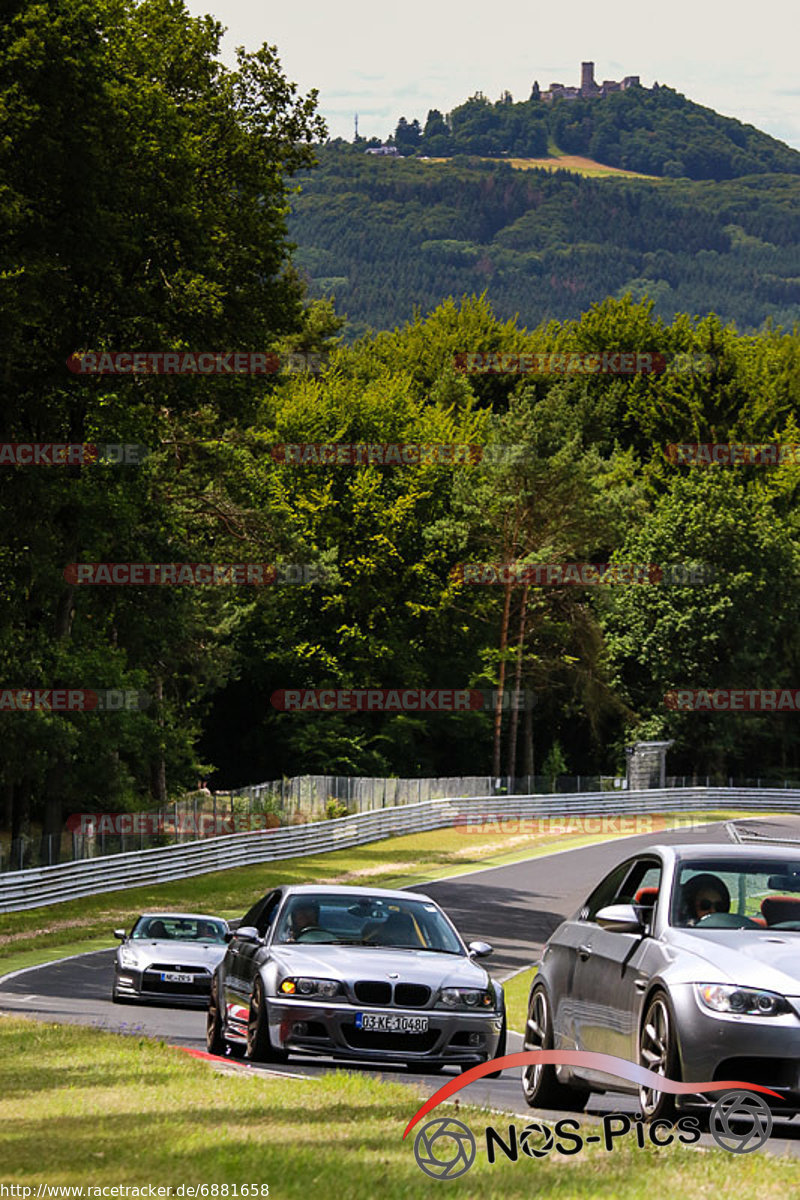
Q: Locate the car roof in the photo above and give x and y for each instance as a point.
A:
(311, 889)
(701, 850)
(174, 916)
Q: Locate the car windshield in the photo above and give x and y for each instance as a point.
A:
(180, 929)
(720, 893)
(371, 921)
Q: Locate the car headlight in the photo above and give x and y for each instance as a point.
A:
(751, 1002)
(310, 987)
(127, 957)
(474, 999)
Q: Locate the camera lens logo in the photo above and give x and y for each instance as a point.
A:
(444, 1148)
(750, 1115)
(536, 1128)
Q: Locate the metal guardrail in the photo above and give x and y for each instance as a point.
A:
(68, 881)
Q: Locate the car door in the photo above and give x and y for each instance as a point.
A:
(559, 970)
(612, 969)
(241, 961)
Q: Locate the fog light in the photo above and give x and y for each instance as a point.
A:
(300, 1029)
(475, 1039)
(126, 979)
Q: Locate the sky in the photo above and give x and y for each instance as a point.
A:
(382, 62)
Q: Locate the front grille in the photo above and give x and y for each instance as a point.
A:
(361, 1039)
(411, 995)
(373, 991)
(152, 981)
(182, 970)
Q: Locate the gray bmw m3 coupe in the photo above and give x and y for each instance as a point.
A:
(684, 959)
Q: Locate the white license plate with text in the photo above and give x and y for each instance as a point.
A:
(391, 1023)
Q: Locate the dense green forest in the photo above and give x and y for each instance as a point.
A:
(384, 236)
(180, 243)
(656, 131)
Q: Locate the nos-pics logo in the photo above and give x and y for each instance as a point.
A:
(741, 1120)
(445, 1148)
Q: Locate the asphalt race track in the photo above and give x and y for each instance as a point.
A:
(514, 907)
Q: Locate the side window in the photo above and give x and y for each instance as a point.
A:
(634, 882)
(268, 913)
(640, 888)
(639, 883)
(604, 893)
(251, 917)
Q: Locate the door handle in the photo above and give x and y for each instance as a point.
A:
(584, 952)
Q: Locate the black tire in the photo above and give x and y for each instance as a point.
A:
(259, 1046)
(500, 1051)
(215, 1039)
(540, 1085)
(658, 1050)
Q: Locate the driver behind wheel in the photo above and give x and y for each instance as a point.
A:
(701, 895)
(304, 916)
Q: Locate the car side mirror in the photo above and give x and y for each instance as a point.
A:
(480, 949)
(121, 934)
(248, 933)
(619, 918)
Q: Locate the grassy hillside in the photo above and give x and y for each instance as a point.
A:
(655, 131)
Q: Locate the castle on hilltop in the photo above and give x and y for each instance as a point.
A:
(589, 89)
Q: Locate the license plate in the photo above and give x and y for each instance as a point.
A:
(391, 1023)
(176, 977)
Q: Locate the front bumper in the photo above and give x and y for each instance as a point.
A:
(146, 986)
(761, 1050)
(317, 1027)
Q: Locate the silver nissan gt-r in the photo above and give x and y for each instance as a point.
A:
(168, 957)
(684, 959)
(355, 973)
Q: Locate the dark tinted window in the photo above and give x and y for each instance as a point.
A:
(253, 915)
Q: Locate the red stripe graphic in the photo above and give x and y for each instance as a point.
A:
(609, 1064)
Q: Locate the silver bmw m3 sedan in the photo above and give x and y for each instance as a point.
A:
(355, 973)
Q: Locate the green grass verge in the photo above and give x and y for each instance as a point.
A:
(30, 937)
(84, 1107)
(516, 989)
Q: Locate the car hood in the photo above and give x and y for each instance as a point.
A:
(364, 962)
(189, 954)
(750, 957)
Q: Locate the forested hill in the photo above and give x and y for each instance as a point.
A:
(656, 131)
(384, 235)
